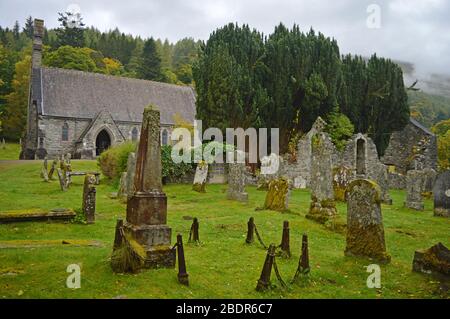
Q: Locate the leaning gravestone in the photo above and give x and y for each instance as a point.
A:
(365, 231)
(44, 170)
(414, 188)
(441, 192)
(201, 173)
(323, 206)
(146, 234)
(52, 169)
(434, 260)
(236, 182)
(62, 179)
(89, 192)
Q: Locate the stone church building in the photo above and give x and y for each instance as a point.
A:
(84, 113)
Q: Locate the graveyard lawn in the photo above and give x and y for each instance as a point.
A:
(10, 152)
(221, 266)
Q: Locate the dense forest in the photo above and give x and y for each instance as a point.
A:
(242, 78)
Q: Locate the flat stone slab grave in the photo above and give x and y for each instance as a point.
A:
(56, 214)
(36, 243)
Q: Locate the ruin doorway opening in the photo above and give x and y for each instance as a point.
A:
(360, 157)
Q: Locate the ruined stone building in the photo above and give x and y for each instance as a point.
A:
(84, 113)
(414, 147)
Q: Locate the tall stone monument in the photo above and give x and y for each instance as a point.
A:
(441, 192)
(323, 206)
(365, 231)
(145, 227)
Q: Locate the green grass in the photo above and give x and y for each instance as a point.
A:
(10, 152)
(222, 266)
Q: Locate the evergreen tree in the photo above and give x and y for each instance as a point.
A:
(150, 62)
(71, 31)
(28, 29)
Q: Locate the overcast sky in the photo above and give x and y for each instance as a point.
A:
(417, 31)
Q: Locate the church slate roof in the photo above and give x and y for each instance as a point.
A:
(77, 94)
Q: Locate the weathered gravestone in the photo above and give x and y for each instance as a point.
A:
(62, 179)
(365, 231)
(323, 206)
(429, 178)
(145, 233)
(277, 197)
(236, 182)
(131, 170)
(122, 193)
(89, 192)
(201, 173)
(414, 188)
(342, 175)
(269, 170)
(441, 193)
(52, 168)
(435, 260)
(44, 170)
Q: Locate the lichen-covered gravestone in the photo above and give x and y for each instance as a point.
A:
(145, 234)
(323, 206)
(236, 182)
(52, 169)
(414, 188)
(44, 170)
(122, 193)
(62, 179)
(89, 192)
(365, 231)
(434, 260)
(201, 173)
(277, 197)
(441, 193)
(342, 176)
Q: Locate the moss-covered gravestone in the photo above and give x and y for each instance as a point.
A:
(89, 192)
(323, 206)
(277, 197)
(201, 173)
(365, 231)
(342, 176)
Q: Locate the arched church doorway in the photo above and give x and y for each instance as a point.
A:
(102, 142)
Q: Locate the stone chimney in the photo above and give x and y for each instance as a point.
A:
(36, 61)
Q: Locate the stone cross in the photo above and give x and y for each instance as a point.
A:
(236, 182)
(322, 205)
(441, 193)
(147, 207)
(365, 231)
(414, 189)
(89, 192)
(201, 173)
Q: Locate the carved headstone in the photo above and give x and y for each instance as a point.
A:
(323, 206)
(145, 229)
(414, 189)
(365, 231)
(236, 182)
(89, 192)
(201, 173)
(441, 193)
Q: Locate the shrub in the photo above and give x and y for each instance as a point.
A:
(113, 161)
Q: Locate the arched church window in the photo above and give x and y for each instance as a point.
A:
(165, 137)
(134, 134)
(65, 132)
